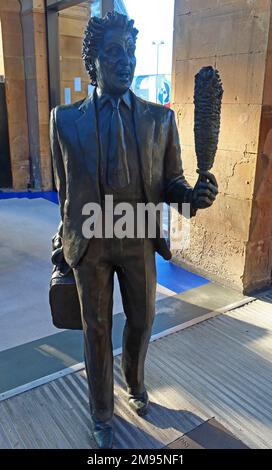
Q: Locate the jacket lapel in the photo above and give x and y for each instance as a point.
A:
(144, 127)
(87, 133)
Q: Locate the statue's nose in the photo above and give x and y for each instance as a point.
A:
(124, 58)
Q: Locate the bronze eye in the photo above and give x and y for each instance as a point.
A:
(114, 51)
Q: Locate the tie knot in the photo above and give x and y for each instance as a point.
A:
(115, 103)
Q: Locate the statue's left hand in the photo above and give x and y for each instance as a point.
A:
(205, 191)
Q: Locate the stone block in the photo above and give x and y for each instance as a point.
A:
(258, 265)
(12, 45)
(11, 22)
(189, 161)
(39, 23)
(71, 68)
(70, 46)
(20, 175)
(38, 5)
(81, 11)
(29, 6)
(40, 44)
(234, 171)
(186, 7)
(239, 126)
(185, 71)
(44, 138)
(14, 68)
(242, 77)
(19, 148)
(16, 100)
(220, 256)
(46, 172)
(43, 112)
(72, 27)
(263, 178)
(10, 6)
(214, 34)
(267, 94)
(42, 77)
(228, 216)
(261, 220)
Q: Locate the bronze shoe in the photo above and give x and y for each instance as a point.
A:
(103, 435)
(139, 403)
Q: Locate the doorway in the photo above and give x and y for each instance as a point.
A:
(66, 23)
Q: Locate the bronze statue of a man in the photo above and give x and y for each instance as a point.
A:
(114, 143)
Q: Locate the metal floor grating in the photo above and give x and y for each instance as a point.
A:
(218, 368)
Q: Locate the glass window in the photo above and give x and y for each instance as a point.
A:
(96, 8)
(155, 20)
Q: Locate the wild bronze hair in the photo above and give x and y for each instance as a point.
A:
(94, 33)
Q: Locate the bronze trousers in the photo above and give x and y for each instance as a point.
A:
(134, 262)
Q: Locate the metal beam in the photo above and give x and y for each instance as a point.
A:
(106, 5)
(58, 5)
(52, 22)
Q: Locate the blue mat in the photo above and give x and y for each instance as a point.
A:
(49, 195)
(176, 278)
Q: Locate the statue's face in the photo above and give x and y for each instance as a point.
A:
(116, 61)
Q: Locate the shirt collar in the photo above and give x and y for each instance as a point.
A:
(103, 98)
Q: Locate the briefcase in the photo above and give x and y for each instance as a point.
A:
(64, 301)
(63, 296)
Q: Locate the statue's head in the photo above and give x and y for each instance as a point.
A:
(109, 52)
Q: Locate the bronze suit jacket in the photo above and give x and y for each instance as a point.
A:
(75, 152)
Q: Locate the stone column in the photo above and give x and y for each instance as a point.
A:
(35, 52)
(230, 242)
(15, 92)
(258, 264)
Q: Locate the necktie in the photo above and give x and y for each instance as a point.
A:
(117, 167)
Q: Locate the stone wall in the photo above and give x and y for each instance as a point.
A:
(259, 248)
(26, 78)
(232, 36)
(35, 56)
(12, 36)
